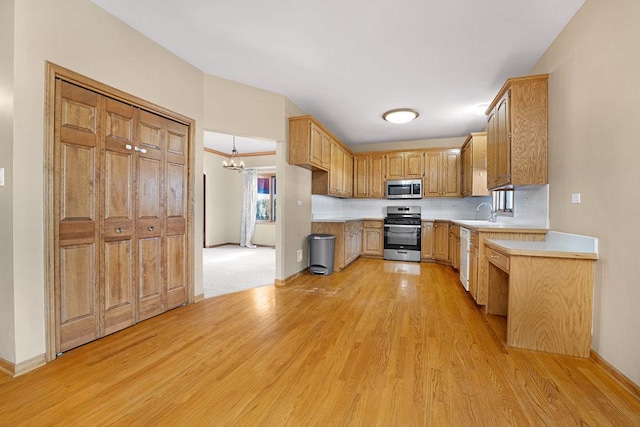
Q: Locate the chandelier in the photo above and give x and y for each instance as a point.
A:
(234, 164)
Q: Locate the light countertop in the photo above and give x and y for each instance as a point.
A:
(556, 245)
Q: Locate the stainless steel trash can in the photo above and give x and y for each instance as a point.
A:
(321, 249)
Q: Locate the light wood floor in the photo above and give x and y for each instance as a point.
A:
(367, 346)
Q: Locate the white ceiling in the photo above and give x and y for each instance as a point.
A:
(348, 61)
(223, 143)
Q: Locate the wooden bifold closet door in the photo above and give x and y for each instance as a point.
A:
(120, 215)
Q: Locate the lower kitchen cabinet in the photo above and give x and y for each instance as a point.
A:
(473, 265)
(372, 238)
(348, 240)
(426, 252)
(441, 240)
(454, 246)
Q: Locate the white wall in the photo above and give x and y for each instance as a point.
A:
(594, 120)
(7, 324)
(224, 201)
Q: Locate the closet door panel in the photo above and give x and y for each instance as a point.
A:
(150, 286)
(176, 213)
(118, 265)
(76, 251)
(118, 292)
(78, 309)
(176, 280)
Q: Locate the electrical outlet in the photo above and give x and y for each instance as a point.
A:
(299, 255)
(575, 198)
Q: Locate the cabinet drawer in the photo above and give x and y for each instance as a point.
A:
(499, 260)
(372, 224)
(353, 226)
(474, 239)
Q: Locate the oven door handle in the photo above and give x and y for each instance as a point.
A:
(400, 226)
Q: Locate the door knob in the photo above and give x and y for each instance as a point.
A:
(151, 228)
(118, 230)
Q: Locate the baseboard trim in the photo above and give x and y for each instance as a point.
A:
(198, 297)
(17, 369)
(632, 387)
(290, 278)
(237, 244)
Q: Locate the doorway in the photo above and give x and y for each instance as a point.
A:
(227, 267)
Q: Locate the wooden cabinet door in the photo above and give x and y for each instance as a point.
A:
(336, 171)
(492, 151)
(450, 178)
(373, 241)
(413, 165)
(118, 266)
(467, 169)
(427, 246)
(326, 151)
(504, 141)
(76, 236)
(433, 165)
(316, 145)
(150, 217)
(473, 272)
(360, 176)
(376, 177)
(395, 166)
(347, 181)
(441, 237)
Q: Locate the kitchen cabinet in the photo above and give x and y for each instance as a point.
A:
(473, 265)
(517, 133)
(404, 165)
(441, 241)
(427, 241)
(474, 165)
(309, 143)
(454, 246)
(442, 173)
(368, 176)
(372, 238)
(348, 246)
(338, 180)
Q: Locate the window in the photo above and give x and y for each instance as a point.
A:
(502, 202)
(266, 203)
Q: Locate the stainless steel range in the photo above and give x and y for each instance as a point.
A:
(402, 228)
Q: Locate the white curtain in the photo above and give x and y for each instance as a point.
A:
(249, 200)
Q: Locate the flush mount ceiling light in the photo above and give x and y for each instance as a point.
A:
(400, 115)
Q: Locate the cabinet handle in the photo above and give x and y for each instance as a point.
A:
(151, 228)
(494, 256)
(118, 230)
(141, 150)
(128, 147)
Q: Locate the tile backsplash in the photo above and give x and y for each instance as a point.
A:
(530, 203)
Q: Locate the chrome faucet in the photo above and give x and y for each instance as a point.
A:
(492, 214)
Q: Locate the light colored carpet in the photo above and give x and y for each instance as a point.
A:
(232, 268)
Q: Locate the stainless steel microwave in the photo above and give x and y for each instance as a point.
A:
(404, 189)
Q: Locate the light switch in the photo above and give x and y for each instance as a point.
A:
(299, 202)
(1, 177)
(575, 198)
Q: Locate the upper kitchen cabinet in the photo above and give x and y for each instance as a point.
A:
(474, 165)
(442, 173)
(309, 143)
(405, 165)
(368, 176)
(338, 181)
(517, 134)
